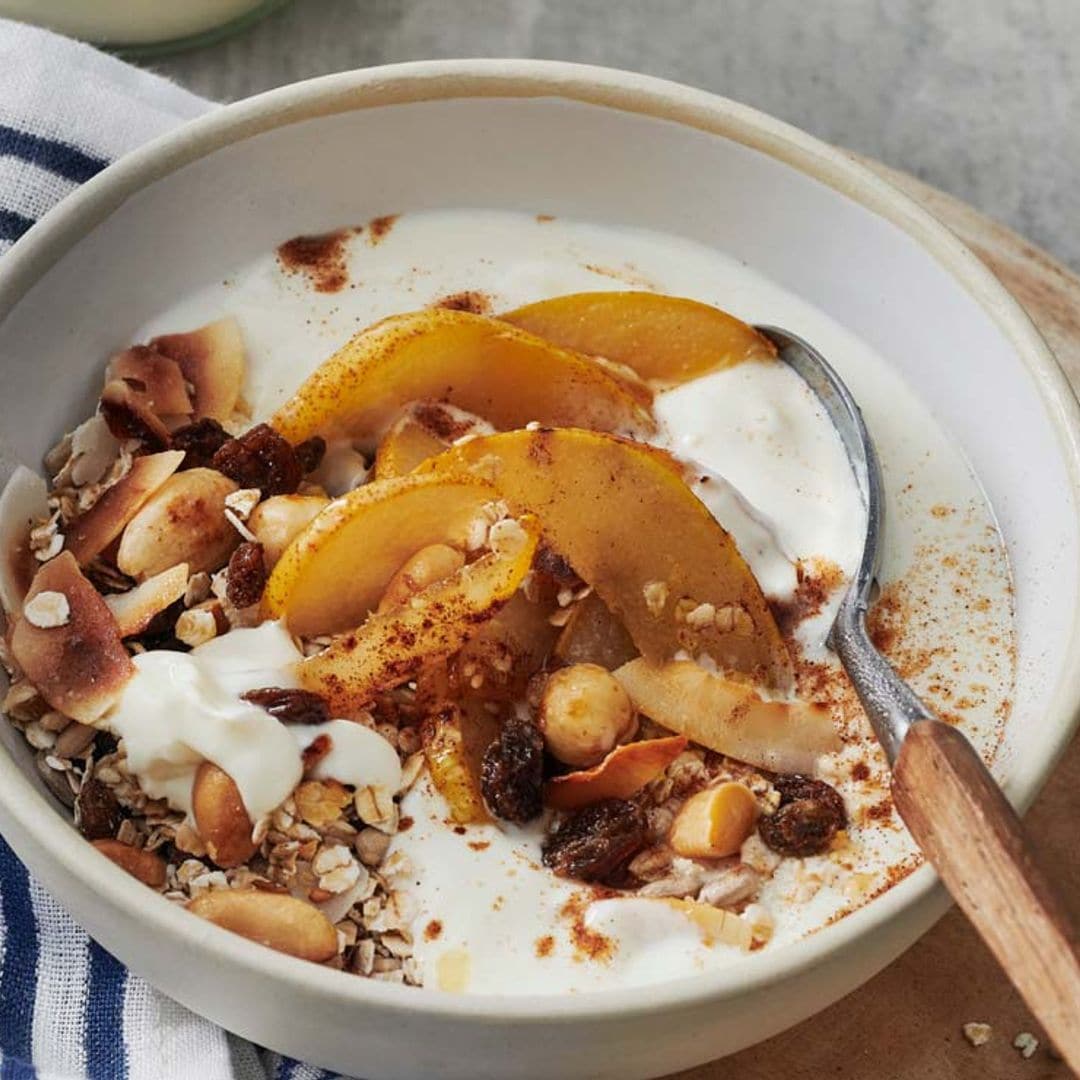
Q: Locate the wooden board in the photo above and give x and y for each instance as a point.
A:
(905, 1024)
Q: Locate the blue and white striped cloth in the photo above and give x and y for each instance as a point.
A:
(67, 1008)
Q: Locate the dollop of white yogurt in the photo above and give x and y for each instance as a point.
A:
(181, 709)
(774, 472)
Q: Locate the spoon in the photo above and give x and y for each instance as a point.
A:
(940, 786)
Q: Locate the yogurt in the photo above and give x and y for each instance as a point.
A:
(181, 709)
(765, 460)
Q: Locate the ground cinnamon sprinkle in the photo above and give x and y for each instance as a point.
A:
(471, 300)
(588, 944)
(545, 946)
(323, 259)
(379, 228)
(433, 930)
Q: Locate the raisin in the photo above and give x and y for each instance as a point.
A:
(310, 453)
(200, 441)
(246, 578)
(596, 843)
(512, 772)
(127, 418)
(260, 458)
(290, 706)
(315, 751)
(810, 814)
(98, 813)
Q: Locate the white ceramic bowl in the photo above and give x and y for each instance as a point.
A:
(575, 142)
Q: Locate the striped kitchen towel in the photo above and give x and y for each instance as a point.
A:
(67, 1008)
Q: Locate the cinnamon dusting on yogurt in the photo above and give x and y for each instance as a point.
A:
(322, 259)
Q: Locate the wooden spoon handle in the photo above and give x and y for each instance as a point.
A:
(971, 834)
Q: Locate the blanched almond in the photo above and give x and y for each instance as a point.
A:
(156, 378)
(212, 360)
(714, 823)
(79, 667)
(623, 773)
(135, 609)
(91, 533)
(220, 817)
(183, 522)
(277, 920)
(147, 866)
(278, 520)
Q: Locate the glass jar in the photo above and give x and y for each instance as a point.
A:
(142, 27)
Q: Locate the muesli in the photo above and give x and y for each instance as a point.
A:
(473, 629)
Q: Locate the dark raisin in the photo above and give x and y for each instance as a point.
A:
(290, 706)
(127, 417)
(315, 751)
(246, 577)
(810, 814)
(200, 441)
(310, 453)
(512, 772)
(96, 810)
(596, 843)
(260, 458)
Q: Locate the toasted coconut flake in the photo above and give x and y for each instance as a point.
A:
(135, 609)
(23, 501)
(93, 448)
(92, 532)
(80, 667)
(623, 773)
(156, 379)
(212, 360)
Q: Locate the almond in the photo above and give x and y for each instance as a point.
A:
(277, 920)
(182, 522)
(714, 823)
(147, 866)
(277, 520)
(220, 817)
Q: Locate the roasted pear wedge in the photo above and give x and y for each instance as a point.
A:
(664, 339)
(335, 571)
(623, 517)
(483, 365)
(730, 716)
(390, 648)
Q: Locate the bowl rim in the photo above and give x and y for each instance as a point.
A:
(431, 80)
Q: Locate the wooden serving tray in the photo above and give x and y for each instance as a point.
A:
(906, 1023)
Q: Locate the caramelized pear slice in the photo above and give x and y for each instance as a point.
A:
(730, 716)
(79, 666)
(592, 635)
(91, 533)
(335, 571)
(406, 445)
(622, 774)
(454, 743)
(479, 364)
(212, 360)
(666, 339)
(390, 648)
(623, 517)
